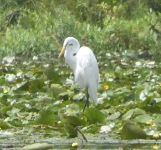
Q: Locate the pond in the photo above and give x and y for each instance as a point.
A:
(40, 104)
(37, 142)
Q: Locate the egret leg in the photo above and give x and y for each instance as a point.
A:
(87, 100)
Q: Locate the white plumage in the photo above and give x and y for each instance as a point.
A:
(84, 65)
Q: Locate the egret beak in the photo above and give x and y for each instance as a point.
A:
(61, 52)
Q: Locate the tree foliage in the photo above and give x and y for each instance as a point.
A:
(30, 26)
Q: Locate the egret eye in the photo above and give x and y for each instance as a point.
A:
(70, 44)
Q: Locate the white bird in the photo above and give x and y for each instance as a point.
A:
(84, 65)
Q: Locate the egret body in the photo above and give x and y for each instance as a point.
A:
(84, 65)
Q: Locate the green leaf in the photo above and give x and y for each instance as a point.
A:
(56, 89)
(36, 85)
(71, 123)
(94, 115)
(66, 95)
(4, 125)
(79, 97)
(52, 73)
(132, 113)
(114, 116)
(132, 130)
(46, 117)
(145, 118)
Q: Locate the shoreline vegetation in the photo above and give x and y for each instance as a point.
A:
(33, 27)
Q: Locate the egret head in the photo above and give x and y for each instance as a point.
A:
(71, 45)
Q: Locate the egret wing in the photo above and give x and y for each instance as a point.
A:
(87, 72)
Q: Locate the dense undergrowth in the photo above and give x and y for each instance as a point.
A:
(31, 26)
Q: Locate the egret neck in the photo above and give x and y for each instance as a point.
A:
(70, 54)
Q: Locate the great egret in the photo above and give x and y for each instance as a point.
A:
(84, 65)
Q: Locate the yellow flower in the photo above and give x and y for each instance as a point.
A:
(105, 87)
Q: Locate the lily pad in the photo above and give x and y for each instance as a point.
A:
(132, 113)
(66, 95)
(46, 117)
(94, 115)
(56, 89)
(145, 118)
(132, 130)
